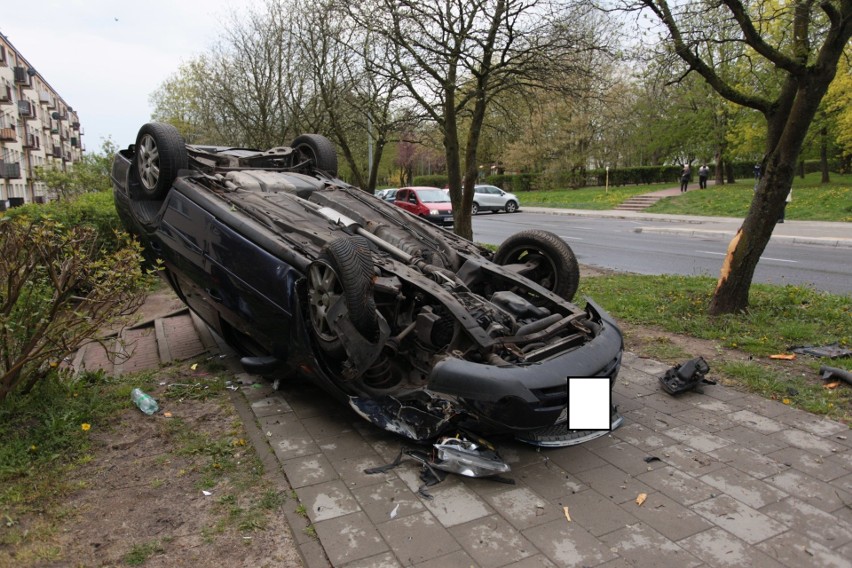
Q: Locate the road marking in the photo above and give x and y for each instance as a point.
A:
(571, 238)
(761, 258)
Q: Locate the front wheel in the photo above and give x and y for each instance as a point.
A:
(474, 208)
(344, 269)
(160, 154)
(511, 207)
(549, 261)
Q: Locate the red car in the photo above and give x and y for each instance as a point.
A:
(428, 202)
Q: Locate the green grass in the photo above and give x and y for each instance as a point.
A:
(598, 198)
(812, 201)
(46, 438)
(779, 317)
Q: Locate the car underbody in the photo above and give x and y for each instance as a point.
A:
(419, 331)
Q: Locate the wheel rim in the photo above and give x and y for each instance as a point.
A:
(324, 290)
(474, 209)
(148, 162)
(544, 272)
(510, 207)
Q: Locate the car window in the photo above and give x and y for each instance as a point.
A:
(412, 197)
(433, 196)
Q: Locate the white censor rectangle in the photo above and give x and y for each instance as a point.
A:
(589, 403)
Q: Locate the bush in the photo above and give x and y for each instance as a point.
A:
(58, 289)
(435, 180)
(515, 183)
(95, 210)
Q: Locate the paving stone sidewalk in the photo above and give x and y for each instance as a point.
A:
(739, 481)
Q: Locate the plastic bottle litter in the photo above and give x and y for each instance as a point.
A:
(145, 402)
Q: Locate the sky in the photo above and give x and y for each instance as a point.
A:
(105, 58)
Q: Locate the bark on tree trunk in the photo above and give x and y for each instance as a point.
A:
(823, 155)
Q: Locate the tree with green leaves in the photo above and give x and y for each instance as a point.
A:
(789, 53)
(89, 175)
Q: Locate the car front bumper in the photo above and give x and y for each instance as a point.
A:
(531, 397)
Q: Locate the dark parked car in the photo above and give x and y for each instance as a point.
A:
(419, 331)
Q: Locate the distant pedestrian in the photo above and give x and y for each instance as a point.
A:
(685, 174)
(784, 209)
(703, 172)
(756, 176)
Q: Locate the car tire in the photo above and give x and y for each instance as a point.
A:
(511, 207)
(557, 268)
(345, 267)
(319, 150)
(474, 208)
(160, 154)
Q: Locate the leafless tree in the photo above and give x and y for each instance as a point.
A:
(454, 56)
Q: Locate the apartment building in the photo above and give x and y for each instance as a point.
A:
(37, 128)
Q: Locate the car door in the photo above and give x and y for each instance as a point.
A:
(489, 197)
(402, 200)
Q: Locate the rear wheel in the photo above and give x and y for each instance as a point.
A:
(344, 270)
(160, 154)
(550, 261)
(474, 208)
(319, 150)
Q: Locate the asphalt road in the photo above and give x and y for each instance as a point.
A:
(615, 244)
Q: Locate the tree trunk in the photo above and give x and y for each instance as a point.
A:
(787, 128)
(823, 154)
(720, 177)
(729, 171)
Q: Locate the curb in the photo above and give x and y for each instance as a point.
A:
(820, 241)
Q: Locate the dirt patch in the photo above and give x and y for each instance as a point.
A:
(143, 499)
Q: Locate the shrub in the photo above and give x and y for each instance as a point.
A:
(58, 289)
(435, 180)
(95, 210)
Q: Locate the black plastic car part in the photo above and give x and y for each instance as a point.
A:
(687, 376)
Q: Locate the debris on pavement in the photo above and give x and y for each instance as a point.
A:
(686, 376)
(832, 351)
(567, 516)
(641, 499)
(463, 454)
(784, 356)
(833, 374)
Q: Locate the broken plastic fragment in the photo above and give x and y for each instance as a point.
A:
(194, 366)
(567, 516)
(206, 493)
(394, 512)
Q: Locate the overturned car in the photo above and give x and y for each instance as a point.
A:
(419, 331)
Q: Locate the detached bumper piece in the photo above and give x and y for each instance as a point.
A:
(559, 436)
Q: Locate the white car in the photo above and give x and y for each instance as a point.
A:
(492, 198)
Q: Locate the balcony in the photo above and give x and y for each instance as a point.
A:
(75, 125)
(57, 151)
(23, 77)
(6, 95)
(32, 142)
(46, 99)
(25, 108)
(8, 135)
(10, 171)
(73, 141)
